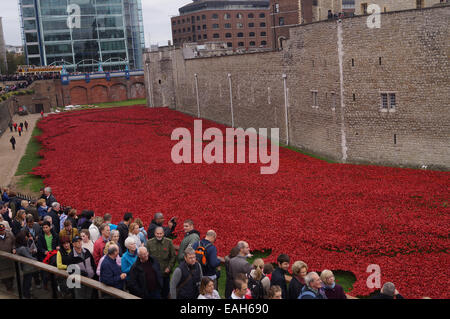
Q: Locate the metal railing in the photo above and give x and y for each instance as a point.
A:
(53, 271)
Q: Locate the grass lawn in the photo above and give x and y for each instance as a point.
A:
(28, 162)
(122, 103)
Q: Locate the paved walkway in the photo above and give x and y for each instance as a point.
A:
(9, 158)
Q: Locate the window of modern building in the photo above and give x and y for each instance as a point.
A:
(31, 37)
(228, 35)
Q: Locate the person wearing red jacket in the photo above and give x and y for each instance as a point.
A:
(15, 126)
(20, 131)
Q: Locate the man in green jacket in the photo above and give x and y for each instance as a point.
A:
(191, 236)
(162, 249)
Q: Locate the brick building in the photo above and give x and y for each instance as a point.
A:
(241, 24)
(394, 5)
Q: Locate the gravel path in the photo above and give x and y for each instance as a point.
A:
(10, 158)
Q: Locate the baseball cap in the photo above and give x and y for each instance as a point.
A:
(76, 238)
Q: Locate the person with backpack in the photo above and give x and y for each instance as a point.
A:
(206, 254)
(187, 277)
(258, 283)
(313, 288)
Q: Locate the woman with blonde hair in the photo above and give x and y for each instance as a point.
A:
(332, 290)
(299, 271)
(42, 208)
(18, 222)
(258, 283)
(133, 232)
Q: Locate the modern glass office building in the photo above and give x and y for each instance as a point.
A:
(82, 34)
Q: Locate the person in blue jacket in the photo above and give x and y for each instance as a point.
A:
(130, 256)
(110, 272)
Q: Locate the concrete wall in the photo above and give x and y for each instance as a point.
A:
(347, 66)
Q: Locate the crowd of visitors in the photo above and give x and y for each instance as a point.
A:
(23, 81)
(147, 263)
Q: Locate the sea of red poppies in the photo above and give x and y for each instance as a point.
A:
(334, 216)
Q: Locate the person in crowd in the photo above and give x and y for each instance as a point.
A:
(162, 249)
(42, 208)
(62, 257)
(19, 129)
(49, 219)
(280, 275)
(268, 270)
(239, 263)
(72, 217)
(144, 278)
(388, 291)
(186, 278)
(122, 227)
(30, 208)
(87, 243)
(28, 271)
(105, 252)
(7, 244)
(12, 140)
(212, 261)
(15, 126)
(5, 196)
(85, 220)
(239, 289)
(63, 214)
(47, 241)
(85, 262)
(332, 290)
(107, 218)
(100, 243)
(5, 223)
(207, 290)
(6, 214)
(130, 256)
(94, 228)
(313, 287)
(115, 237)
(299, 271)
(18, 222)
(49, 198)
(10, 125)
(258, 283)
(142, 233)
(54, 214)
(26, 125)
(133, 232)
(110, 272)
(68, 231)
(191, 236)
(275, 292)
(158, 220)
(32, 227)
(13, 205)
(229, 279)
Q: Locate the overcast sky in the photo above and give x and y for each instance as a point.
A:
(156, 13)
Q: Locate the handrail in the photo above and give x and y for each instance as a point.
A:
(83, 280)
